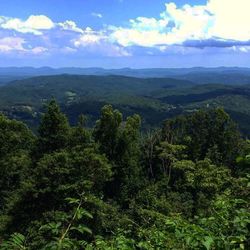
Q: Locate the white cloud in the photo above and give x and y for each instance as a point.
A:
(130, 37)
(88, 37)
(38, 50)
(94, 14)
(2, 19)
(231, 19)
(182, 29)
(242, 49)
(34, 24)
(148, 24)
(174, 27)
(8, 44)
(71, 26)
(218, 19)
(98, 43)
(17, 44)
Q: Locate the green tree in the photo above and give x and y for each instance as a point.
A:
(149, 144)
(106, 131)
(80, 135)
(56, 176)
(16, 143)
(53, 130)
(169, 154)
(209, 133)
(128, 169)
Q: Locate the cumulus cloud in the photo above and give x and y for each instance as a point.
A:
(221, 24)
(231, 19)
(34, 24)
(218, 20)
(70, 26)
(8, 44)
(40, 35)
(88, 37)
(19, 45)
(98, 42)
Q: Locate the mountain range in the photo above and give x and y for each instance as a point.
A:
(223, 75)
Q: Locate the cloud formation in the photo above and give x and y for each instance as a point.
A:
(40, 35)
(11, 43)
(219, 24)
(34, 24)
(218, 20)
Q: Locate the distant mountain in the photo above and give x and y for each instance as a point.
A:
(223, 75)
(36, 89)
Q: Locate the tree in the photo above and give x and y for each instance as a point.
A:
(128, 169)
(149, 144)
(202, 179)
(16, 143)
(169, 154)
(173, 191)
(106, 131)
(56, 176)
(209, 133)
(53, 130)
(14, 136)
(80, 135)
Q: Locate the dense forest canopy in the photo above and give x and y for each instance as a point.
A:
(183, 186)
(154, 99)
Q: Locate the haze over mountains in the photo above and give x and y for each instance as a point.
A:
(224, 75)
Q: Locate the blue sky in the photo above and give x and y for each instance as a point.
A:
(125, 33)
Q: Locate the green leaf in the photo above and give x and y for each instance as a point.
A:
(82, 229)
(72, 200)
(208, 242)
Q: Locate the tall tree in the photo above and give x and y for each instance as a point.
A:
(53, 130)
(129, 170)
(106, 131)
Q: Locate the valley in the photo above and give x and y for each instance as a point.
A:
(156, 99)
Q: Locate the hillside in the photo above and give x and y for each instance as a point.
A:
(156, 99)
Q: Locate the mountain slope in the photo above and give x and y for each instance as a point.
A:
(156, 99)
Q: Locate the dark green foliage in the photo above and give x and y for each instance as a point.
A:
(53, 130)
(186, 186)
(14, 136)
(119, 140)
(206, 134)
(16, 141)
(107, 131)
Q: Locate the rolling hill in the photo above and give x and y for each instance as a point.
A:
(200, 75)
(156, 99)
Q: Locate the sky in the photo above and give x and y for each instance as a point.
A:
(125, 33)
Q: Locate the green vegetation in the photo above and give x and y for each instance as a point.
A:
(154, 99)
(184, 186)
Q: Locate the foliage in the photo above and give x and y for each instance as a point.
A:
(185, 186)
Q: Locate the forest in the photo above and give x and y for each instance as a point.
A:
(183, 185)
(154, 99)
